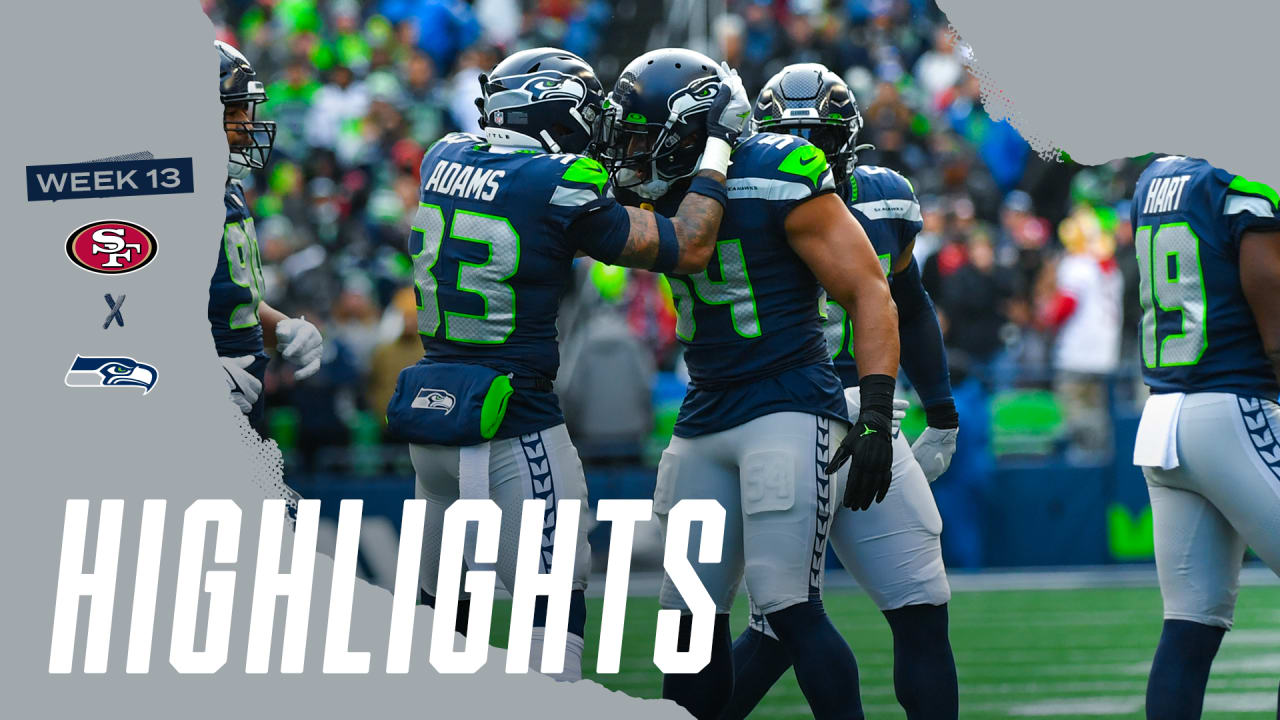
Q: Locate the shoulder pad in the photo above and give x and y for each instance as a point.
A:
(573, 180)
(587, 171)
(873, 182)
(781, 157)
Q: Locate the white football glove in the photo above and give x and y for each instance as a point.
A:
(899, 414)
(301, 344)
(731, 110)
(243, 386)
(933, 450)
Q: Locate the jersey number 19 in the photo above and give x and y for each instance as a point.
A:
(1171, 281)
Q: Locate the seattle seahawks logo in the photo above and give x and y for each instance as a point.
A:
(432, 399)
(91, 371)
(537, 87)
(694, 97)
(552, 85)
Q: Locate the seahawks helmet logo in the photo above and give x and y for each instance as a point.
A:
(537, 87)
(693, 98)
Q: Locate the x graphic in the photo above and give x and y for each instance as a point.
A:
(115, 311)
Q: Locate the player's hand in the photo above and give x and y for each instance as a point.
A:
(730, 109)
(869, 449)
(243, 386)
(933, 450)
(900, 406)
(301, 344)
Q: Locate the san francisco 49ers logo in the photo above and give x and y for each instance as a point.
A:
(111, 247)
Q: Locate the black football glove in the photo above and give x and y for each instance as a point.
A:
(869, 445)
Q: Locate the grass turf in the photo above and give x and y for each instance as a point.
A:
(1045, 653)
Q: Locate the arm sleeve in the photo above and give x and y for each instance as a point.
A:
(602, 231)
(924, 356)
(583, 205)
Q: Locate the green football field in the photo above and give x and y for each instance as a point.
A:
(1020, 653)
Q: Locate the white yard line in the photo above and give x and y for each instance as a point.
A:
(646, 583)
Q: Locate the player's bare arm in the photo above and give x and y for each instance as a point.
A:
(835, 247)
(696, 224)
(1260, 280)
(270, 318)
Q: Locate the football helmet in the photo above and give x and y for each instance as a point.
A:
(653, 130)
(808, 100)
(239, 83)
(542, 97)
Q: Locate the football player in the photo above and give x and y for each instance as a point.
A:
(764, 412)
(502, 217)
(243, 325)
(1208, 246)
(893, 548)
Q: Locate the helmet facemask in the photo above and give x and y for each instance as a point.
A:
(243, 158)
(648, 157)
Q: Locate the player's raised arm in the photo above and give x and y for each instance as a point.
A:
(1260, 281)
(684, 243)
(835, 247)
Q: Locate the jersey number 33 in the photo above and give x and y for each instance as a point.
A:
(487, 279)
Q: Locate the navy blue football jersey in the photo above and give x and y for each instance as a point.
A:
(750, 322)
(492, 256)
(884, 203)
(236, 289)
(1198, 332)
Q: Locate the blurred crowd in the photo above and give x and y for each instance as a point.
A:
(1029, 260)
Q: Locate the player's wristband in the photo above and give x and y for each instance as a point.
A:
(668, 245)
(942, 415)
(710, 188)
(875, 394)
(715, 156)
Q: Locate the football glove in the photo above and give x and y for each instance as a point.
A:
(243, 386)
(300, 343)
(869, 445)
(730, 109)
(900, 406)
(935, 446)
(933, 450)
